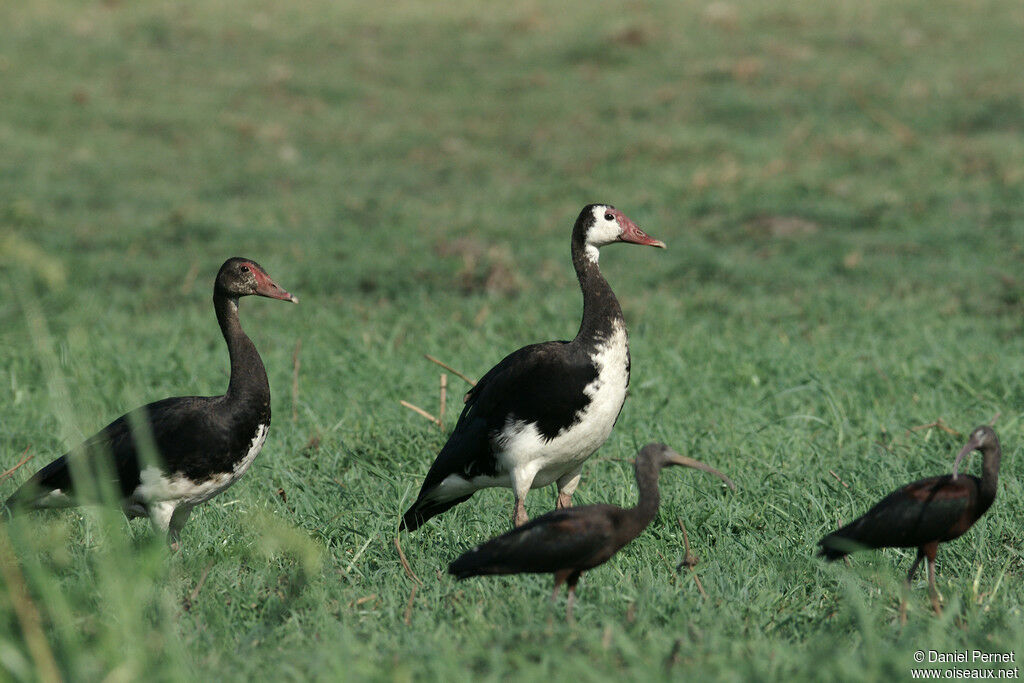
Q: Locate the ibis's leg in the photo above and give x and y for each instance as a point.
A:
(522, 480)
(930, 551)
(177, 521)
(913, 567)
(573, 578)
(560, 577)
(567, 484)
(910, 580)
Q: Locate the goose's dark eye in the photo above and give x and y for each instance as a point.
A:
(609, 217)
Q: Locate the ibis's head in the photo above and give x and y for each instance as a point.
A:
(659, 455)
(982, 439)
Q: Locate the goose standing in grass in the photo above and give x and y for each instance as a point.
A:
(926, 512)
(165, 458)
(536, 416)
(570, 541)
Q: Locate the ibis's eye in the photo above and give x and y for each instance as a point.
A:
(245, 269)
(609, 217)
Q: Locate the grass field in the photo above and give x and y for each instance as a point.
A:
(841, 186)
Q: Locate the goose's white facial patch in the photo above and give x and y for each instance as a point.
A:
(155, 485)
(603, 231)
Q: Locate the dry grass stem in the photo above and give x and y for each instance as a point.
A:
(187, 604)
(444, 398)
(940, 424)
(838, 479)
(417, 409)
(689, 559)
(408, 607)
(405, 563)
(24, 459)
(450, 369)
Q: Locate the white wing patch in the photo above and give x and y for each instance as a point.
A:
(54, 499)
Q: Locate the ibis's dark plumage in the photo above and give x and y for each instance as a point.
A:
(926, 512)
(200, 445)
(536, 416)
(569, 541)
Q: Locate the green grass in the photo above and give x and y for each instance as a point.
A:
(841, 188)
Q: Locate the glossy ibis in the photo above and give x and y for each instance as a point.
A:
(569, 541)
(201, 444)
(536, 416)
(925, 513)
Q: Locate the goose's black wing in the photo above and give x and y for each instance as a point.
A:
(540, 384)
(184, 437)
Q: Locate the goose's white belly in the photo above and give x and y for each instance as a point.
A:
(521, 448)
(522, 452)
(156, 486)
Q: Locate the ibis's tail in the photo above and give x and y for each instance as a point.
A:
(836, 546)
(472, 563)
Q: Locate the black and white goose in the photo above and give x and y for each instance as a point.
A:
(536, 416)
(200, 445)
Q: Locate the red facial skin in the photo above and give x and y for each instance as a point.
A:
(632, 233)
(265, 286)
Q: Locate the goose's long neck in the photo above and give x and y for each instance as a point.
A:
(601, 310)
(248, 376)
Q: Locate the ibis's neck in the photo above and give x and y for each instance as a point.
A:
(646, 506)
(601, 311)
(248, 377)
(989, 476)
